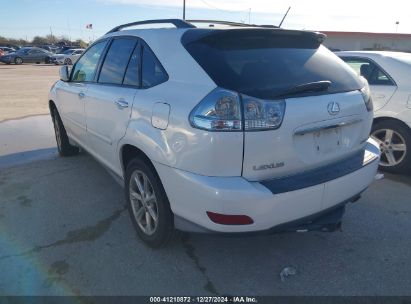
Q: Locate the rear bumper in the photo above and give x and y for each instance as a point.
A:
(272, 208)
(56, 61)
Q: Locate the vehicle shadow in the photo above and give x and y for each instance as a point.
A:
(401, 178)
(19, 158)
(44, 64)
(69, 209)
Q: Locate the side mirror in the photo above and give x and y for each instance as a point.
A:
(64, 73)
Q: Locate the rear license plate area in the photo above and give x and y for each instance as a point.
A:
(327, 140)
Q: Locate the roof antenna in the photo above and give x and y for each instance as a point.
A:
(281, 23)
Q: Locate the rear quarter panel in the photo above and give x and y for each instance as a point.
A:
(180, 145)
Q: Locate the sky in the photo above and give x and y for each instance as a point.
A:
(28, 18)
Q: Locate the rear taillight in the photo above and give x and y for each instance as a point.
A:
(366, 95)
(224, 110)
(218, 111)
(262, 114)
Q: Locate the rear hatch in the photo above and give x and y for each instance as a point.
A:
(324, 116)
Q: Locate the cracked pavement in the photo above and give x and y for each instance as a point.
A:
(64, 230)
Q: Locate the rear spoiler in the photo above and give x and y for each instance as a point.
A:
(254, 38)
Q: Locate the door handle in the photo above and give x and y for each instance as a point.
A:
(81, 95)
(121, 104)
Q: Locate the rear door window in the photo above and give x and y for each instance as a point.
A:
(133, 73)
(153, 72)
(264, 63)
(369, 70)
(117, 60)
(85, 68)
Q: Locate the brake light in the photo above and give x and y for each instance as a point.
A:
(224, 110)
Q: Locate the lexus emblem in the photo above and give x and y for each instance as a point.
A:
(333, 108)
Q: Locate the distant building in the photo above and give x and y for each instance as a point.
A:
(358, 41)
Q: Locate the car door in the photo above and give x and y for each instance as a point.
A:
(41, 56)
(109, 100)
(71, 94)
(29, 56)
(35, 56)
(381, 84)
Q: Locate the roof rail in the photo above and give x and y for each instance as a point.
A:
(230, 23)
(178, 23)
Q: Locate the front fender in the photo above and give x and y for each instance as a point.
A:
(53, 94)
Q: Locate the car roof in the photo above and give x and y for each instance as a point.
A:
(371, 53)
(159, 36)
(157, 27)
(32, 48)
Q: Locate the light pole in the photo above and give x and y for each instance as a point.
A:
(396, 28)
(184, 9)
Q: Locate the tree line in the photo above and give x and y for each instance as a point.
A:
(42, 40)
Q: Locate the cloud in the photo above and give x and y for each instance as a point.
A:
(262, 6)
(299, 7)
(350, 15)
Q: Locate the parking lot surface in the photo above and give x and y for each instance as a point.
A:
(64, 230)
(24, 89)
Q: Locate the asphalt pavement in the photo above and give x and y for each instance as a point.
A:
(64, 230)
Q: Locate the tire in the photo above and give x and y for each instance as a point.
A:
(155, 233)
(63, 143)
(394, 139)
(68, 61)
(18, 60)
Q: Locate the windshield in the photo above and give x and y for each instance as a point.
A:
(68, 52)
(264, 66)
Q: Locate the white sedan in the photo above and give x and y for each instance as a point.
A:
(388, 74)
(69, 57)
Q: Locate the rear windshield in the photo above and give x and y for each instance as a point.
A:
(266, 63)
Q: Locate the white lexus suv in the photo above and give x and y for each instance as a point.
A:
(227, 130)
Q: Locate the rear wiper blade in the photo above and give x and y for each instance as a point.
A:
(317, 86)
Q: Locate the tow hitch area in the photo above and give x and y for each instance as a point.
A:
(328, 221)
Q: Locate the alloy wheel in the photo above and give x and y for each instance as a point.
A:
(143, 202)
(392, 145)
